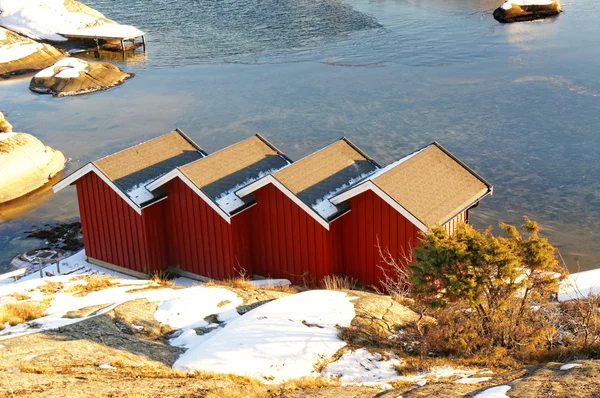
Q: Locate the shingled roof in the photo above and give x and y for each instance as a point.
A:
(130, 170)
(431, 184)
(321, 175)
(222, 173)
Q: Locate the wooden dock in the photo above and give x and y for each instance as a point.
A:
(108, 38)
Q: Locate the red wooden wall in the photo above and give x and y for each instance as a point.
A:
(200, 240)
(117, 234)
(370, 225)
(289, 243)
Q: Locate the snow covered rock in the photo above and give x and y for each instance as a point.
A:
(5, 126)
(72, 76)
(526, 10)
(19, 55)
(25, 165)
(49, 19)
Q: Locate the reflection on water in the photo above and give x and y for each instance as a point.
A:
(518, 102)
(17, 208)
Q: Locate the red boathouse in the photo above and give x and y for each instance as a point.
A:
(296, 230)
(393, 206)
(208, 226)
(122, 221)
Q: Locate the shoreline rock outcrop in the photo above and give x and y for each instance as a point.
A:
(20, 55)
(5, 126)
(72, 76)
(526, 10)
(25, 164)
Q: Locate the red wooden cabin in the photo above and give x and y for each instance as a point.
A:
(295, 229)
(393, 206)
(208, 226)
(122, 221)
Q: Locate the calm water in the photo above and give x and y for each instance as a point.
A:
(520, 103)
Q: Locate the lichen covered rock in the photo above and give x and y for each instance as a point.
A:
(25, 165)
(72, 76)
(20, 55)
(526, 10)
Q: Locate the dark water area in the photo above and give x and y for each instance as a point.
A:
(520, 103)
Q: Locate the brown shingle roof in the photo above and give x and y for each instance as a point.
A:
(432, 185)
(325, 172)
(233, 167)
(149, 160)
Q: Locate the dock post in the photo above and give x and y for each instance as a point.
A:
(144, 42)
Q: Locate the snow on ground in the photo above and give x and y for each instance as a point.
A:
(494, 392)
(570, 366)
(579, 285)
(47, 19)
(509, 3)
(180, 308)
(13, 52)
(360, 367)
(69, 69)
(472, 380)
(277, 341)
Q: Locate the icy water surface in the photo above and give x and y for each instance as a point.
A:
(520, 102)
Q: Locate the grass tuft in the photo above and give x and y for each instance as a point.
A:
(21, 312)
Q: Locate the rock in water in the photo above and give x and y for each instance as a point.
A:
(72, 76)
(25, 165)
(526, 10)
(5, 126)
(20, 55)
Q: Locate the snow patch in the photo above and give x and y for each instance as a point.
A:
(361, 367)
(277, 341)
(508, 5)
(48, 19)
(5, 136)
(106, 365)
(580, 285)
(67, 68)
(16, 51)
(494, 392)
(327, 209)
(139, 193)
(228, 201)
(570, 366)
(271, 283)
(472, 380)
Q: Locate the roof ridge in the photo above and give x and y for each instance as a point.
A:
(273, 147)
(461, 163)
(178, 131)
(360, 151)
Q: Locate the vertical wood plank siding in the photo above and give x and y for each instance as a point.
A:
(289, 243)
(370, 225)
(115, 233)
(451, 225)
(200, 240)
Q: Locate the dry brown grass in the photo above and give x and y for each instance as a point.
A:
(335, 282)
(236, 283)
(161, 279)
(20, 296)
(50, 287)
(251, 391)
(307, 383)
(21, 312)
(282, 288)
(93, 284)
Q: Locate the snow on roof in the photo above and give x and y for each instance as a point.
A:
(509, 3)
(224, 172)
(15, 51)
(135, 167)
(47, 19)
(325, 208)
(317, 177)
